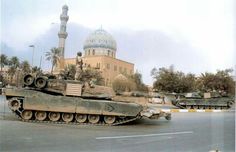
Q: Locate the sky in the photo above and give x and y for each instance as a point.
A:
(193, 35)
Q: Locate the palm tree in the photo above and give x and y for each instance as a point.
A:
(14, 64)
(25, 66)
(54, 56)
(36, 70)
(4, 60)
(68, 72)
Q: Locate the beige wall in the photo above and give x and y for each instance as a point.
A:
(109, 66)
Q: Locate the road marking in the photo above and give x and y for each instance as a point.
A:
(200, 110)
(146, 135)
(183, 110)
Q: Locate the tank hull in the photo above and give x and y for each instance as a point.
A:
(212, 103)
(33, 105)
(35, 100)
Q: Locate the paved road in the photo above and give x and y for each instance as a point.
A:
(185, 132)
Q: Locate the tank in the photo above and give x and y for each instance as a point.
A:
(44, 99)
(196, 100)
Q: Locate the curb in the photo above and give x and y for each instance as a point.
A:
(191, 110)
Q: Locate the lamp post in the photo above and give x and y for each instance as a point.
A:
(40, 63)
(234, 82)
(32, 55)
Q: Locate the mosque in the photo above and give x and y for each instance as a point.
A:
(99, 52)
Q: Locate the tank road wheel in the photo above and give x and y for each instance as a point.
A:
(27, 114)
(54, 116)
(14, 104)
(40, 82)
(40, 115)
(81, 117)
(93, 118)
(67, 117)
(109, 119)
(195, 107)
(28, 80)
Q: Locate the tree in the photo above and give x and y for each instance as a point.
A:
(4, 60)
(189, 83)
(91, 74)
(14, 64)
(54, 56)
(137, 79)
(69, 72)
(221, 81)
(121, 84)
(36, 70)
(168, 80)
(25, 67)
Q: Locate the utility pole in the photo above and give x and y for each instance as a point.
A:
(40, 62)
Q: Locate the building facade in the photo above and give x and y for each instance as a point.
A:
(100, 53)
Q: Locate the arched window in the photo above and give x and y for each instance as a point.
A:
(88, 52)
(93, 52)
(108, 52)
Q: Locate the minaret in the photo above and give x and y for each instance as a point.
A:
(62, 34)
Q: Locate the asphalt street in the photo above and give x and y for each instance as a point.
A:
(185, 132)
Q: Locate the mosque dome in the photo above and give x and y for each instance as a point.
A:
(100, 39)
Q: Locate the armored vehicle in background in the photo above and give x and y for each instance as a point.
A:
(195, 100)
(44, 99)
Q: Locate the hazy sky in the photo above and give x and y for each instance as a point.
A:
(208, 26)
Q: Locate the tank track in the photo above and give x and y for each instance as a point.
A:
(202, 107)
(124, 120)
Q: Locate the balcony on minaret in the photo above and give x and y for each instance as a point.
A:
(64, 17)
(62, 34)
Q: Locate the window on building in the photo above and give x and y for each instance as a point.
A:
(112, 54)
(88, 52)
(108, 66)
(107, 82)
(115, 68)
(98, 65)
(120, 69)
(131, 72)
(125, 70)
(108, 52)
(93, 52)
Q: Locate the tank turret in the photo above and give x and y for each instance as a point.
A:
(67, 87)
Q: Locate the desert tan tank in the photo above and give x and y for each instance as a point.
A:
(209, 100)
(43, 99)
